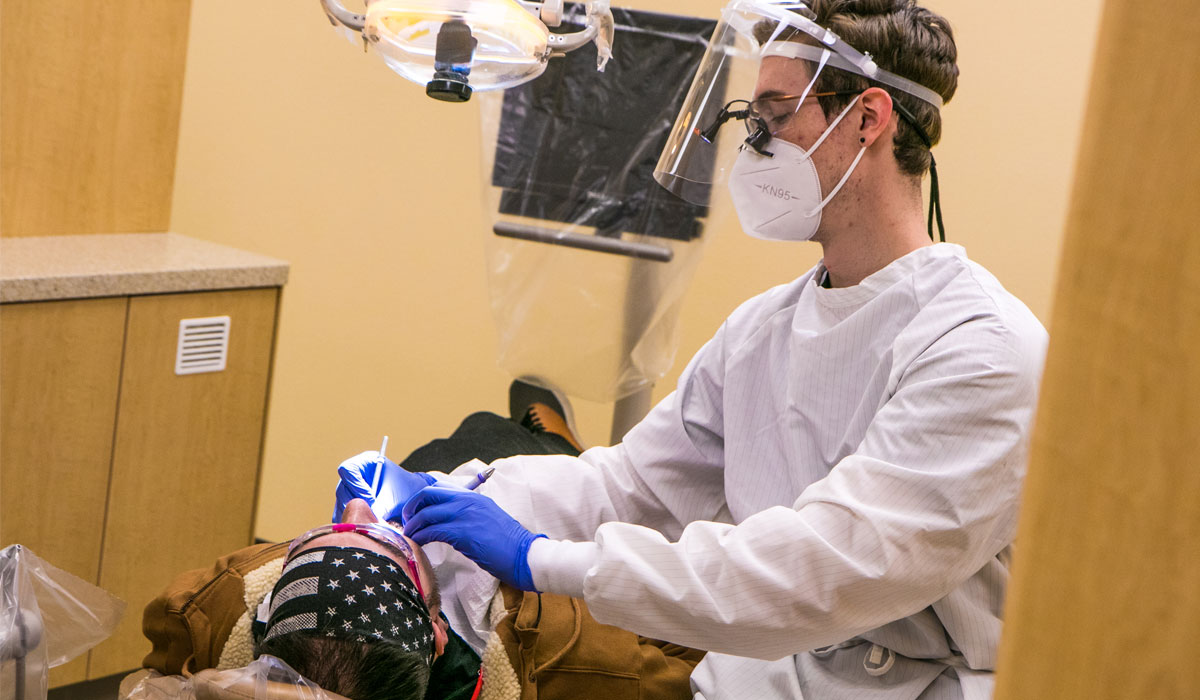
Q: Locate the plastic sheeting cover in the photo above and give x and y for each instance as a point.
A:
(265, 678)
(47, 618)
(571, 157)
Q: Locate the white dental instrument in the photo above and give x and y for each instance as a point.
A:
(379, 472)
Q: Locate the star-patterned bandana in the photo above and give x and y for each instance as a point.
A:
(349, 593)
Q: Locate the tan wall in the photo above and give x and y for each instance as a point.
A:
(295, 144)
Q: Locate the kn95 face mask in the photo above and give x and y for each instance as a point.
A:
(778, 197)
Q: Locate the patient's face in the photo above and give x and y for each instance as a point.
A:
(357, 511)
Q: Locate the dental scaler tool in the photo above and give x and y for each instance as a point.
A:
(379, 472)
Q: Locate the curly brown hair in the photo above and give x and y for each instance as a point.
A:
(904, 39)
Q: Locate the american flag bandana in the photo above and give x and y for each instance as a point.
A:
(349, 593)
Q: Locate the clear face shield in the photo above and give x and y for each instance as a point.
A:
(766, 63)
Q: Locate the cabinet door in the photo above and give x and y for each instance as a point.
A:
(185, 462)
(60, 362)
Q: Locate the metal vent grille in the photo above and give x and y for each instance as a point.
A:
(203, 345)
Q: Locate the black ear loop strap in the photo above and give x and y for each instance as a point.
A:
(935, 200)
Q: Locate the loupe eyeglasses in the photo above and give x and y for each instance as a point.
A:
(763, 117)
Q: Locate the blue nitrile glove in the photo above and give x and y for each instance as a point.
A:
(474, 525)
(396, 486)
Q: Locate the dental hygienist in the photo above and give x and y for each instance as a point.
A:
(828, 500)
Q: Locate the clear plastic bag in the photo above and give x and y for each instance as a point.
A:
(265, 678)
(47, 618)
(588, 257)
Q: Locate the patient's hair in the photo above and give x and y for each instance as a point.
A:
(378, 670)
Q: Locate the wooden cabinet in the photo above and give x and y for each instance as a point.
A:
(111, 465)
(60, 366)
(117, 469)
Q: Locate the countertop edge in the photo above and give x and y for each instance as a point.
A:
(62, 287)
(86, 266)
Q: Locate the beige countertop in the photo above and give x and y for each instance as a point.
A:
(103, 265)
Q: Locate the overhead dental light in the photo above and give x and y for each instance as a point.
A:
(455, 47)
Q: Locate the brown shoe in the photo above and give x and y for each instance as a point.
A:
(528, 390)
(541, 418)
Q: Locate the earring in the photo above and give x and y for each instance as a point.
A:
(862, 140)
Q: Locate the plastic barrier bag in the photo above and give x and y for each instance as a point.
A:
(47, 618)
(265, 678)
(588, 257)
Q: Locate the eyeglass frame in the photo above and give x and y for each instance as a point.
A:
(755, 114)
(757, 129)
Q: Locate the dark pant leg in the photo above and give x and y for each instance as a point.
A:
(486, 437)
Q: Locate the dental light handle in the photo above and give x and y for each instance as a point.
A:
(340, 15)
(561, 44)
(599, 28)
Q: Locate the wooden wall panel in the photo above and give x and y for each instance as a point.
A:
(90, 95)
(185, 463)
(1105, 601)
(60, 363)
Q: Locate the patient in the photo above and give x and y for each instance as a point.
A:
(358, 611)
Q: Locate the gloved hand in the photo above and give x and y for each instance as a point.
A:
(396, 485)
(474, 525)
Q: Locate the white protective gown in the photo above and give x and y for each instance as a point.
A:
(827, 500)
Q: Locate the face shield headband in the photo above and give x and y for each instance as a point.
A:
(750, 32)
